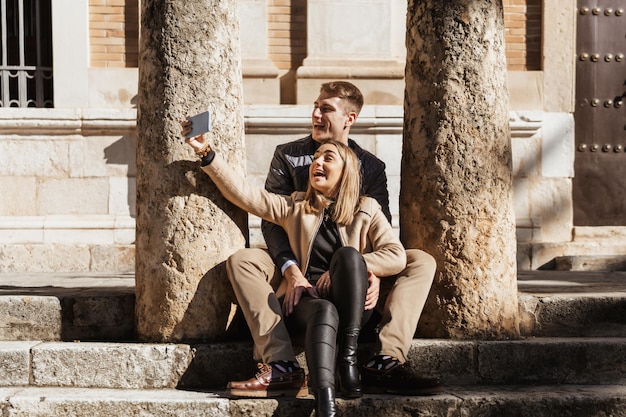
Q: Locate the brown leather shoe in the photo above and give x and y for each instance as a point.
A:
(272, 380)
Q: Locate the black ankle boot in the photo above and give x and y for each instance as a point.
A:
(325, 405)
(348, 378)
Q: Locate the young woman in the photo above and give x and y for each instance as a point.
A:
(339, 238)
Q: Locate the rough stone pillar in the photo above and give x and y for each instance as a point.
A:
(456, 188)
(189, 62)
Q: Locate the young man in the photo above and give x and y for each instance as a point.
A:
(260, 277)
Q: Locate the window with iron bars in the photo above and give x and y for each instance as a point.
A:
(26, 53)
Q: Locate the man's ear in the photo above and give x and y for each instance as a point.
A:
(352, 116)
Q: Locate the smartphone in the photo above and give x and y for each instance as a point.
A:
(200, 123)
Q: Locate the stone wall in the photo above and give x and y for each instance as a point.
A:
(67, 179)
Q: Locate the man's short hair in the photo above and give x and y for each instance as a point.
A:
(345, 91)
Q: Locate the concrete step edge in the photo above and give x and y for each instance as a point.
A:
(538, 401)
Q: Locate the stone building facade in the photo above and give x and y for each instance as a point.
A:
(67, 173)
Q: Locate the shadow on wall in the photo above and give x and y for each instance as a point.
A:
(548, 201)
(123, 152)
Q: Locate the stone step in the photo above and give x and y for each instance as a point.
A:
(67, 306)
(488, 401)
(111, 317)
(97, 317)
(100, 307)
(601, 315)
(566, 303)
(156, 366)
(590, 263)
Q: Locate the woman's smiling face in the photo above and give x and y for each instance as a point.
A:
(326, 170)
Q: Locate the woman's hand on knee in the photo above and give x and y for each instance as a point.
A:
(373, 291)
(323, 285)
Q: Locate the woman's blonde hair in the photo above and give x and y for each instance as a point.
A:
(348, 189)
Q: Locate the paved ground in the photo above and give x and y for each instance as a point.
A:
(541, 283)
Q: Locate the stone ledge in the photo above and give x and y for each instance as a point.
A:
(614, 234)
(537, 401)
(65, 121)
(67, 228)
(542, 255)
(591, 263)
(279, 119)
(525, 124)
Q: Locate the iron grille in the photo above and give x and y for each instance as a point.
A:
(26, 53)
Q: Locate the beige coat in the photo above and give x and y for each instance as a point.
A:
(370, 232)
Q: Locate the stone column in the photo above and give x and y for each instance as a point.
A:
(362, 40)
(456, 188)
(189, 62)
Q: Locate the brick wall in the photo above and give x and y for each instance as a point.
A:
(114, 33)
(522, 21)
(287, 33)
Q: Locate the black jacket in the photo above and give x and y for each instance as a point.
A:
(289, 172)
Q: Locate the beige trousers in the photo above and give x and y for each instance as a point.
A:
(258, 284)
(401, 302)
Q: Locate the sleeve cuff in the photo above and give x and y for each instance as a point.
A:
(208, 158)
(287, 265)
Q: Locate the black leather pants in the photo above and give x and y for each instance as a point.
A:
(319, 323)
(349, 284)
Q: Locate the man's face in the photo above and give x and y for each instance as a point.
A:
(330, 119)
